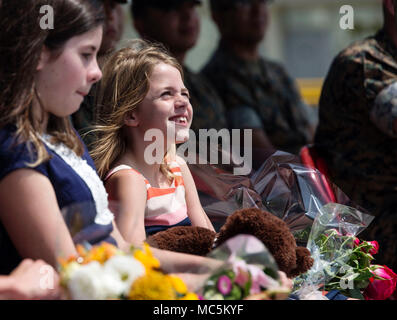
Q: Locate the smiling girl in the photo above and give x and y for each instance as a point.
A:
(142, 89)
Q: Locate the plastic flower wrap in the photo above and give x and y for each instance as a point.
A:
(341, 260)
(249, 272)
(282, 186)
(105, 272)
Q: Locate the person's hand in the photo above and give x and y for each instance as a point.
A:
(34, 280)
(193, 281)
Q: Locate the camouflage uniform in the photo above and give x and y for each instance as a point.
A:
(260, 94)
(357, 137)
(208, 109)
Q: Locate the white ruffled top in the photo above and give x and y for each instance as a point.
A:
(103, 215)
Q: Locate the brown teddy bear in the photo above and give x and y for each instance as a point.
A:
(271, 230)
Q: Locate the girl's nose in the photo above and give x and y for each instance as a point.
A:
(181, 101)
(95, 73)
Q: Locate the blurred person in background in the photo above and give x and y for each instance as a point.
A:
(357, 131)
(258, 93)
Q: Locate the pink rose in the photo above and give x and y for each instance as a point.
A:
(375, 247)
(381, 289)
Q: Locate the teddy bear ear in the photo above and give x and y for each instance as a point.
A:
(304, 262)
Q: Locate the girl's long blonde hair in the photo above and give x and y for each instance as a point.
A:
(124, 84)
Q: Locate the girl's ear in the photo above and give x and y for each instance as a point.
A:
(44, 57)
(131, 119)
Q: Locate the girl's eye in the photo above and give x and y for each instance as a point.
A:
(166, 93)
(186, 94)
(86, 55)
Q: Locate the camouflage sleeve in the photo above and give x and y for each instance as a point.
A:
(384, 111)
(343, 94)
(342, 102)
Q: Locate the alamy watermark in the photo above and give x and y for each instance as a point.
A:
(47, 20)
(347, 20)
(229, 150)
(347, 280)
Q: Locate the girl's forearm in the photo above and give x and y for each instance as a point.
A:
(175, 262)
(209, 223)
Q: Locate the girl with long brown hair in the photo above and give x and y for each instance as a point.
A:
(44, 166)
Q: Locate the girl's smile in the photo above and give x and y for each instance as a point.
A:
(180, 120)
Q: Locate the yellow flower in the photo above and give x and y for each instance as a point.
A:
(190, 296)
(110, 249)
(63, 263)
(146, 258)
(100, 253)
(178, 284)
(81, 250)
(96, 254)
(152, 286)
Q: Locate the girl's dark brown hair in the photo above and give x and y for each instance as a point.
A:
(21, 42)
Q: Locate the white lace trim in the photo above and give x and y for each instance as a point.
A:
(104, 216)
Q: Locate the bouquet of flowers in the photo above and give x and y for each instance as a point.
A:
(358, 277)
(249, 272)
(105, 272)
(342, 261)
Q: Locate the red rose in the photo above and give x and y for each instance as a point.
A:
(375, 247)
(356, 242)
(381, 289)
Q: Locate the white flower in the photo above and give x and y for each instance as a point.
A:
(127, 269)
(93, 282)
(112, 286)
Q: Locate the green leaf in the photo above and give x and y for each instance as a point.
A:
(235, 293)
(364, 275)
(230, 274)
(361, 284)
(355, 293)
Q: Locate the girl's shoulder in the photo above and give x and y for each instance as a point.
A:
(124, 169)
(16, 154)
(13, 153)
(123, 179)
